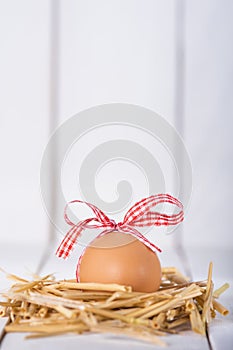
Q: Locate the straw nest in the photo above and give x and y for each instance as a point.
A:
(46, 307)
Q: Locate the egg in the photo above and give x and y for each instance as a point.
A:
(121, 258)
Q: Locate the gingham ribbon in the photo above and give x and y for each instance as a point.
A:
(139, 215)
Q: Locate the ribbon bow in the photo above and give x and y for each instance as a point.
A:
(138, 215)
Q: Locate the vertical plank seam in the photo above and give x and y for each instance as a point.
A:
(179, 105)
(54, 67)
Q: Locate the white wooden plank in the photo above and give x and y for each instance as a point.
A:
(20, 259)
(3, 322)
(221, 330)
(101, 342)
(24, 110)
(208, 125)
(121, 52)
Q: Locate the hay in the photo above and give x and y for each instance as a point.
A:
(46, 307)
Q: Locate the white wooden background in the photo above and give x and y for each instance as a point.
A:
(60, 57)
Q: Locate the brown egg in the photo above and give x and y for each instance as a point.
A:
(121, 258)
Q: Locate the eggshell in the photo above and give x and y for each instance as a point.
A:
(121, 258)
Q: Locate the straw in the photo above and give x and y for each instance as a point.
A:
(46, 307)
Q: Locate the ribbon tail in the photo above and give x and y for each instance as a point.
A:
(68, 243)
(149, 244)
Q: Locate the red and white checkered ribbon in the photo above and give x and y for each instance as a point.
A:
(139, 215)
